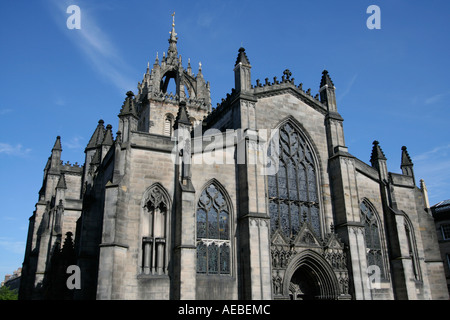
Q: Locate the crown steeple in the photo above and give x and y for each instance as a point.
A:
(167, 81)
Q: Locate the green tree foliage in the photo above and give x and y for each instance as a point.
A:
(8, 294)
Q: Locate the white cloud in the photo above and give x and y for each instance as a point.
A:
(74, 143)
(436, 98)
(348, 88)
(11, 150)
(437, 151)
(96, 46)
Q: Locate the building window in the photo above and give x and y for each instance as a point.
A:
(374, 253)
(213, 232)
(293, 195)
(412, 249)
(155, 232)
(445, 228)
(168, 125)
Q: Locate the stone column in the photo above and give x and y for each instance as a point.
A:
(348, 224)
(253, 239)
(185, 260)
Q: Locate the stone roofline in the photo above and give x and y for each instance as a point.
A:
(268, 89)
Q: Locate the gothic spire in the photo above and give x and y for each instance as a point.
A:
(128, 106)
(377, 153)
(97, 136)
(407, 164)
(173, 52)
(108, 139)
(182, 116)
(242, 57)
(406, 159)
(57, 145)
(326, 80)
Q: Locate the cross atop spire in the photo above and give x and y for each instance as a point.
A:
(173, 19)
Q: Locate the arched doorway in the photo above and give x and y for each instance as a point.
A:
(310, 277)
(304, 285)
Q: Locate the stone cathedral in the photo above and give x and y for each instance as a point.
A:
(177, 204)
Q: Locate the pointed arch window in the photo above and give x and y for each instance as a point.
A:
(412, 250)
(155, 229)
(292, 191)
(168, 124)
(374, 252)
(213, 232)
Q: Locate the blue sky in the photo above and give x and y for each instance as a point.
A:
(391, 84)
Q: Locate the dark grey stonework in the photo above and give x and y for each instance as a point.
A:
(134, 208)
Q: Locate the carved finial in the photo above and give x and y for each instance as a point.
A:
(287, 74)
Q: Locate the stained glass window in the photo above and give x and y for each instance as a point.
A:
(292, 190)
(213, 232)
(372, 237)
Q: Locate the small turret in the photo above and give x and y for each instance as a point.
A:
(128, 118)
(406, 164)
(327, 92)
(242, 75)
(378, 160)
(97, 136)
(55, 158)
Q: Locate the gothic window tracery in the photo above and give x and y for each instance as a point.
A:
(213, 232)
(154, 231)
(372, 237)
(293, 195)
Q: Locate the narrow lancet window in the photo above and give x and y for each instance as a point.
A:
(154, 240)
(213, 232)
(374, 253)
